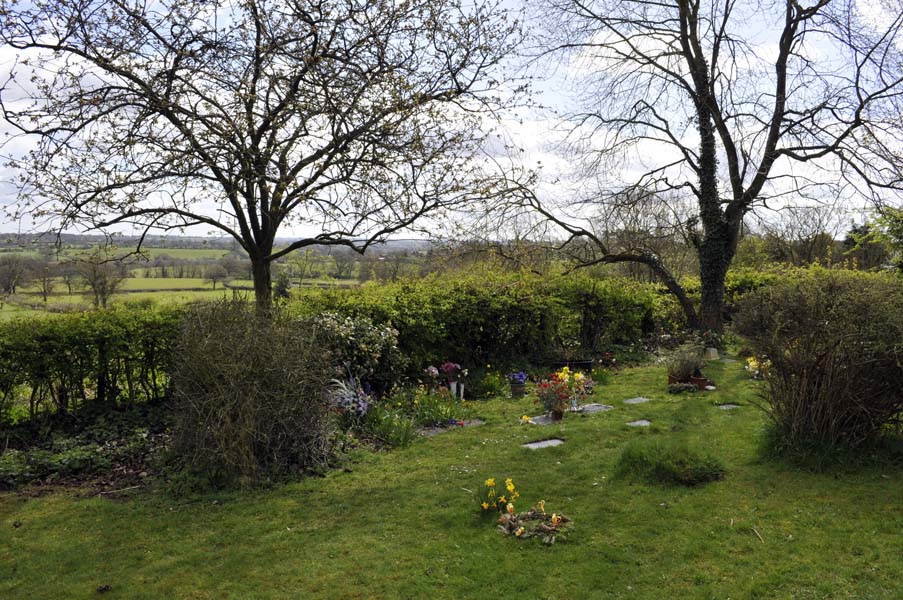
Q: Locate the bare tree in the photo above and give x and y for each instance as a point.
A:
(343, 263)
(356, 118)
(802, 235)
(732, 104)
(102, 276)
(45, 272)
(14, 272)
(216, 273)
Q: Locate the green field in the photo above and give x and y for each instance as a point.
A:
(403, 524)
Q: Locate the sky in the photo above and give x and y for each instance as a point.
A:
(538, 131)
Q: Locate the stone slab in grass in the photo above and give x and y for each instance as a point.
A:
(728, 360)
(637, 400)
(431, 431)
(543, 444)
(593, 408)
(640, 423)
(728, 406)
(541, 420)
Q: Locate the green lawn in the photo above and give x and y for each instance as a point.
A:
(402, 524)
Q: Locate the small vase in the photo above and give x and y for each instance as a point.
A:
(556, 415)
(461, 391)
(518, 390)
(453, 387)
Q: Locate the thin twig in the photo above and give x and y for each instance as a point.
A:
(758, 535)
(119, 490)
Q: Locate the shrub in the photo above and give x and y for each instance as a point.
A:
(834, 341)
(358, 348)
(668, 461)
(685, 362)
(482, 385)
(250, 394)
(391, 427)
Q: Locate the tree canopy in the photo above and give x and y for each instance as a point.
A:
(351, 119)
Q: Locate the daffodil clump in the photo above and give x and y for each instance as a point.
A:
(757, 367)
(497, 499)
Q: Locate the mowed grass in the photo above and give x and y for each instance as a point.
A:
(403, 524)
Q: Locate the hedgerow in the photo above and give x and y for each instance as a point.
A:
(67, 363)
(503, 319)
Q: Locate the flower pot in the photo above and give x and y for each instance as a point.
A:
(556, 415)
(518, 390)
(701, 383)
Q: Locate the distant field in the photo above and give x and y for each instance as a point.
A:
(166, 283)
(151, 253)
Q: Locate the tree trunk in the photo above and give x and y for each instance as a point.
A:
(263, 291)
(712, 272)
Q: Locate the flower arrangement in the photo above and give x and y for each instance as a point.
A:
(349, 398)
(519, 378)
(553, 393)
(562, 389)
(453, 371)
(494, 500)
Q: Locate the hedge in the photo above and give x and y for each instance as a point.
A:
(104, 358)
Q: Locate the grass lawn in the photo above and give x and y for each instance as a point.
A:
(402, 524)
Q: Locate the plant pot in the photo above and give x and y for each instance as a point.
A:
(556, 415)
(701, 383)
(518, 390)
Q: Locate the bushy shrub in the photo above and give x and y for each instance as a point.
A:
(358, 348)
(835, 342)
(250, 394)
(668, 461)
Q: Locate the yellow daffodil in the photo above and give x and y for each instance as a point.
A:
(490, 482)
(485, 506)
(509, 485)
(502, 499)
(555, 520)
(510, 509)
(525, 419)
(519, 532)
(541, 505)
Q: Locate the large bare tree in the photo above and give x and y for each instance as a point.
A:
(349, 118)
(732, 103)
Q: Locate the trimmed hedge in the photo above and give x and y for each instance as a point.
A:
(503, 319)
(100, 358)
